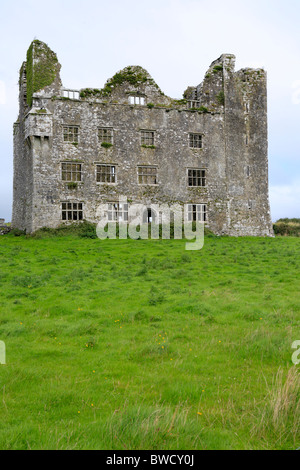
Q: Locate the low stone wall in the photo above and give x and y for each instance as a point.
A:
(4, 230)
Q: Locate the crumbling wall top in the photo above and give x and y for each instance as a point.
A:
(133, 79)
(42, 69)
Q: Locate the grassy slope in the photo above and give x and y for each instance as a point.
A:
(123, 344)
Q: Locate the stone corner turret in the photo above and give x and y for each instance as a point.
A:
(41, 70)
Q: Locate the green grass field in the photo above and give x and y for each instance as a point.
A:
(123, 344)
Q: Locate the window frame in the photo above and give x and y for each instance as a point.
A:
(196, 212)
(71, 94)
(202, 177)
(147, 137)
(117, 212)
(193, 136)
(139, 100)
(71, 171)
(193, 104)
(110, 174)
(69, 134)
(70, 207)
(147, 175)
(109, 139)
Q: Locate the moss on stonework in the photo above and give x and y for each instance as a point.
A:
(148, 146)
(134, 75)
(41, 111)
(202, 109)
(72, 185)
(217, 68)
(41, 68)
(221, 98)
(179, 102)
(86, 92)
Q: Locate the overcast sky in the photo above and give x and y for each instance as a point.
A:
(176, 41)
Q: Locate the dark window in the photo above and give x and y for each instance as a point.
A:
(195, 141)
(72, 210)
(196, 177)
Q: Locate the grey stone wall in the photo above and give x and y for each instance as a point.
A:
(230, 112)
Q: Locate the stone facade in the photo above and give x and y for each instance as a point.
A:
(74, 150)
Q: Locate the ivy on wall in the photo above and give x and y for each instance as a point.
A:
(134, 75)
(41, 68)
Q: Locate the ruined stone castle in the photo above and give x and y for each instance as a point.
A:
(77, 149)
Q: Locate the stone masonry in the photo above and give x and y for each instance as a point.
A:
(76, 149)
(4, 229)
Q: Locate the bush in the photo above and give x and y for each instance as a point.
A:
(82, 230)
(287, 227)
(86, 229)
(16, 232)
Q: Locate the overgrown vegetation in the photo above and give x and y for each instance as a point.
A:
(41, 68)
(201, 109)
(106, 145)
(41, 111)
(123, 344)
(221, 98)
(217, 68)
(134, 75)
(82, 229)
(287, 227)
(86, 229)
(148, 146)
(181, 102)
(72, 185)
